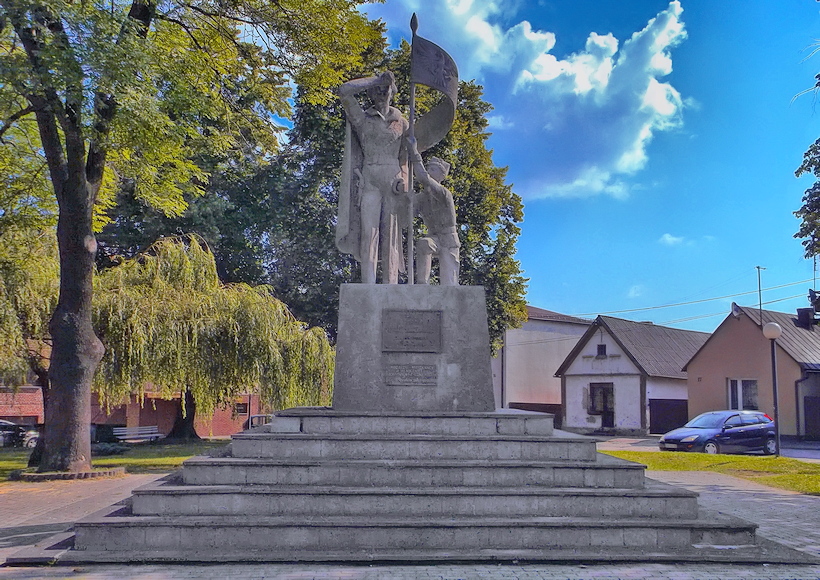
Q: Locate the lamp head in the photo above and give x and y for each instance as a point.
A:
(772, 330)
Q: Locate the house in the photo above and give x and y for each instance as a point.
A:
(524, 369)
(21, 405)
(733, 369)
(24, 405)
(626, 377)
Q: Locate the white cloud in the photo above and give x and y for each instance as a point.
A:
(670, 240)
(498, 123)
(583, 122)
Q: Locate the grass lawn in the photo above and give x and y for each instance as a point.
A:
(141, 458)
(780, 472)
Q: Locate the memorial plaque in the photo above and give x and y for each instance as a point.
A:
(411, 375)
(411, 331)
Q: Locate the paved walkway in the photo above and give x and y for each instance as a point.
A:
(28, 512)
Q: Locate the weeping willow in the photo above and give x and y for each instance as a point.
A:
(168, 325)
(29, 284)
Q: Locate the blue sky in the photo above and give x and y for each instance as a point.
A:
(654, 144)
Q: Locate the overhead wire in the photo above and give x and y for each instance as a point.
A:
(693, 301)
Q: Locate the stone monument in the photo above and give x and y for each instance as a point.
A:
(412, 463)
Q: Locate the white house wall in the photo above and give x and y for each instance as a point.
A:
(616, 368)
(666, 388)
(524, 371)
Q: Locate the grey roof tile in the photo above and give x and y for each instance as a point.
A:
(659, 351)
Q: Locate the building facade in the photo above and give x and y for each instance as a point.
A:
(524, 369)
(733, 370)
(625, 377)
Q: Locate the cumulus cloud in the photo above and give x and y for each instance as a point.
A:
(583, 121)
(670, 240)
(498, 122)
(635, 291)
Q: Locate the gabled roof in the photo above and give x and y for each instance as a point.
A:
(657, 351)
(800, 343)
(534, 313)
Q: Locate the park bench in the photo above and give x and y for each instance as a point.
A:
(143, 433)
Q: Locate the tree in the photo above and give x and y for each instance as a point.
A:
(276, 226)
(29, 284)
(139, 87)
(169, 325)
(809, 212)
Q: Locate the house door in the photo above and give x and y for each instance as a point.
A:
(602, 399)
(811, 406)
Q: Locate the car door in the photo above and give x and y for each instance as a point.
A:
(755, 432)
(733, 436)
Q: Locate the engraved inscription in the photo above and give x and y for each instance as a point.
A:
(411, 330)
(415, 375)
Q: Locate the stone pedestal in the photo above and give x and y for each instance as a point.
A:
(413, 348)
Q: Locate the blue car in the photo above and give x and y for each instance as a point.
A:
(723, 432)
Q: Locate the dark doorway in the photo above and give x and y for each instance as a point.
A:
(602, 402)
(667, 414)
(811, 407)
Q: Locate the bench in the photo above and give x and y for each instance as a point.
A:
(137, 433)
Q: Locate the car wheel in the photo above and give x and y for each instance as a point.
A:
(31, 442)
(711, 447)
(770, 448)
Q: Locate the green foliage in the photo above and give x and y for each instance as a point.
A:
(274, 223)
(200, 80)
(29, 283)
(170, 326)
(809, 212)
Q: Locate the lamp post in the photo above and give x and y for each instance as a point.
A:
(772, 331)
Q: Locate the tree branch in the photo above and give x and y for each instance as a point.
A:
(13, 118)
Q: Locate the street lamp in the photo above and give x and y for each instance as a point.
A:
(772, 331)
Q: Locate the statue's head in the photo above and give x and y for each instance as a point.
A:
(384, 92)
(438, 169)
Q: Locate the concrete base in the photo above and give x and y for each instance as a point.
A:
(412, 348)
(320, 485)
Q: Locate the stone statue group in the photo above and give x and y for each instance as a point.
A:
(375, 181)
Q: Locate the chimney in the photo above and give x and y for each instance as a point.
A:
(805, 317)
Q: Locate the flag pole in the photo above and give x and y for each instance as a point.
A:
(414, 24)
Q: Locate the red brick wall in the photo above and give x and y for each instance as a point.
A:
(23, 406)
(26, 406)
(161, 412)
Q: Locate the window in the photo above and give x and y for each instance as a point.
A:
(240, 408)
(601, 350)
(743, 394)
(733, 421)
(601, 398)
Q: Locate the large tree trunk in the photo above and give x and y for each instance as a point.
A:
(76, 350)
(183, 428)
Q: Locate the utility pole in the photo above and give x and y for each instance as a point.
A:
(759, 295)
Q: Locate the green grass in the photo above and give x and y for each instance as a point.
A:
(141, 458)
(780, 472)
(12, 458)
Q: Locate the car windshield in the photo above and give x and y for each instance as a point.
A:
(706, 421)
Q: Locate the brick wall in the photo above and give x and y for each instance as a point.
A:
(25, 405)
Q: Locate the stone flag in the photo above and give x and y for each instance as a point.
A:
(430, 65)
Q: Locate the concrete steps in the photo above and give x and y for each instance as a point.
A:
(411, 447)
(444, 502)
(311, 537)
(407, 487)
(605, 471)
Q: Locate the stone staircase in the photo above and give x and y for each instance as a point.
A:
(323, 485)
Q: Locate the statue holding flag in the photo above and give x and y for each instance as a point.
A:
(375, 197)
